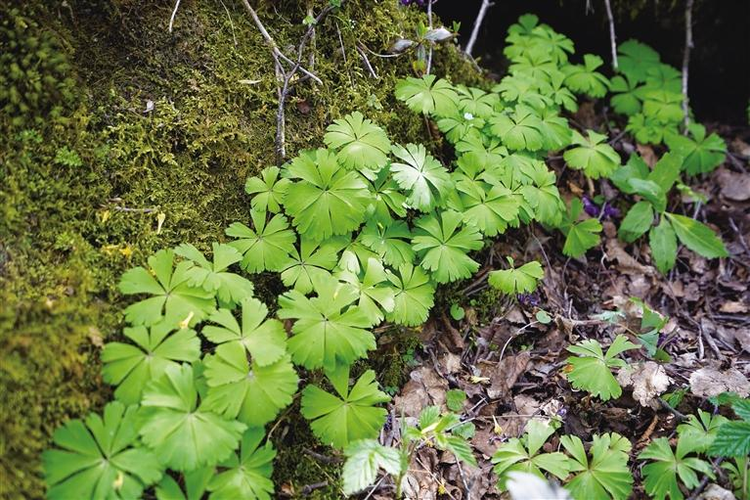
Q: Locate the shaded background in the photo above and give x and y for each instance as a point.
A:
(719, 63)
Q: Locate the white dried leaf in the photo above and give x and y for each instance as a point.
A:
(648, 381)
(525, 486)
(709, 382)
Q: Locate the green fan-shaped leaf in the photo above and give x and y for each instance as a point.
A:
(523, 279)
(245, 390)
(173, 297)
(520, 130)
(328, 329)
(314, 260)
(195, 484)
(660, 477)
(414, 295)
(476, 102)
(386, 200)
(591, 370)
(625, 99)
(326, 200)
(392, 243)
(701, 431)
(376, 296)
(593, 155)
(184, 435)
(579, 236)
(428, 96)
(606, 476)
(584, 79)
(360, 143)
(100, 458)
(247, 476)
(268, 190)
(490, 208)
(702, 154)
(635, 58)
(266, 247)
(662, 105)
(130, 366)
(264, 339)
(426, 179)
(341, 418)
(443, 244)
(229, 288)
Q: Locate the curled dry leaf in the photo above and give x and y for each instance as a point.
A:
(709, 382)
(505, 374)
(648, 381)
(424, 388)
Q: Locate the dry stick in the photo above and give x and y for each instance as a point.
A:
(174, 14)
(686, 62)
(429, 19)
(612, 37)
(231, 24)
(365, 60)
(477, 24)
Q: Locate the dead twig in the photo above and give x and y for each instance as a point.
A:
(429, 20)
(366, 61)
(486, 4)
(612, 37)
(174, 14)
(686, 62)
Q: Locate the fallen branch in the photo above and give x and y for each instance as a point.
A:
(429, 19)
(612, 37)
(174, 14)
(477, 24)
(686, 63)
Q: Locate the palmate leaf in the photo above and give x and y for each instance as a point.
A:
(697, 236)
(355, 255)
(376, 296)
(386, 200)
(268, 190)
(555, 130)
(579, 236)
(701, 431)
(438, 430)
(361, 144)
(313, 261)
(635, 58)
(326, 200)
(443, 242)
(245, 390)
(328, 330)
(266, 247)
(523, 90)
(130, 366)
(341, 418)
(490, 208)
(428, 96)
(489, 148)
(523, 279)
(426, 179)
(100, 458)
(624, 101)
(702, 154)
(540, 192)
(264, 339)
(593, 155)
(229, 288)
(414, 295)
(184, 435)
(664, 76)
(606, 476)
(523, 455)
(392, 243)
(458, 126)
(173, 297)
(476, 101)
(660, 477)
(520, 130)
(662, 105)
(584, 79)
(733, 438)
(591, 371)
(364, 458)
(195, 485)
(247, 476)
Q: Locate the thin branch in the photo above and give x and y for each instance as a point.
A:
(477, 24)
(429, 19)
(231, 24)
(686, 62)
(612, 37)
(174, 14)
(365, 60)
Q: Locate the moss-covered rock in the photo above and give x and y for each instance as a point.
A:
(112, 125)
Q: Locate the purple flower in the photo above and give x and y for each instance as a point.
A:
(528, 299)
(604, 212)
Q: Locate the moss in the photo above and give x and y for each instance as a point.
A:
(69, 229)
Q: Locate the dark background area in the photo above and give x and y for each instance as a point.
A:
(719, 63)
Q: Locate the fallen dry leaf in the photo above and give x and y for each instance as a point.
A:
(734, 185)
(709, 382)
(716, 492)
(648, 381)
(423, 389)
(625, 263)
(733, 307)
(504, 375)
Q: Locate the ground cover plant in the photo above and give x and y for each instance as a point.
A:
(362, 237)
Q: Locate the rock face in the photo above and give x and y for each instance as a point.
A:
(119, 138)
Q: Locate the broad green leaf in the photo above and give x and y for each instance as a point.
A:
(661, 475)
(593, 155)
(130, 366)
(173, 297)
(635, 58)
(625, 101)
(512, 281)
(701, 431)
(247, 476)
(326, 199)
(443, 242)
(606, 475)
(245, 390)
(184, 435)
(376, 296)
(364, 458)
(428, 96)
(386, 200)
(662, 105)
(651, 191)
(313, 261)
(392, 243)
(666, 171)
(328, 329)
(268, 190)
(266, 247)
(591, 370)
(476, 102)
(584, 79)
(520, 130)
(580, 236)
(349, 415)
(195, 482)
(490, 208)
(100, 458)
(663, 245)
(426, 179)
(361, 144)
(637, 221)
(697, 236)
(264, 339)
(702, 154)
(229, 288)
(414, 295)
(634, 168)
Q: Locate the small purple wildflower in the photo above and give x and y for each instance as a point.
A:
(606, 211)
(419, 3)
(528, 299)
(590, 207)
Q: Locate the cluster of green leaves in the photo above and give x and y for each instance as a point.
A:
(366, 457)
(601, 473)
(650, 214)
(591, 370)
